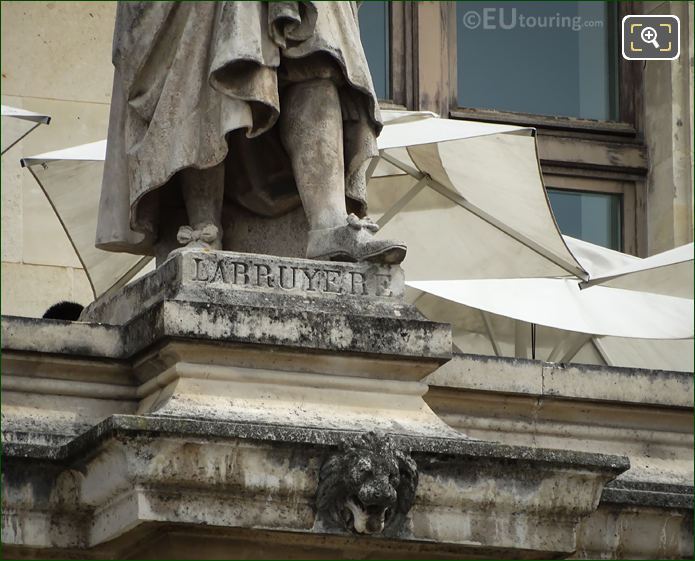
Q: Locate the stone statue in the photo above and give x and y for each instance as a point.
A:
(267, 104)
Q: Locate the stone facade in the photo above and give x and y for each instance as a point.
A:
(265, 408)
(646, 415)
(668, 93)
(284, 408)
(299, 423)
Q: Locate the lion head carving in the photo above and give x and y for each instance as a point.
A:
(367, 487)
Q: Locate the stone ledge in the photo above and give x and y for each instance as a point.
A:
(536, 378)
(227, 362)
(136, 425)
(52, 336)
(648, 494)
(473, 497)
(404, 338)
(173, 541)
(464, 371)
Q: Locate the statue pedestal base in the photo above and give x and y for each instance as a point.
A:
(300, 389)
(280, 341)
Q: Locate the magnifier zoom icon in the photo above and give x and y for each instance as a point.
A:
(648, 35)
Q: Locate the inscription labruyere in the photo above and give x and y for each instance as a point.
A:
(257, 272)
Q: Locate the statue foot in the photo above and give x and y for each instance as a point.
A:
(354, 242)
(206, 236)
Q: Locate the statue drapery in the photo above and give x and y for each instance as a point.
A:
(199, 83)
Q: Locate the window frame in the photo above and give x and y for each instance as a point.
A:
(402, 56)
(629, 98)
(403, 16)
(587, 151)
(625, 188)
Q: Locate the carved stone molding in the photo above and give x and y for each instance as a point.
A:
(99, 494)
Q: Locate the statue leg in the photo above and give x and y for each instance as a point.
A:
(203, 194)
(311, 129)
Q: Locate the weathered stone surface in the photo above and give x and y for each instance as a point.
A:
(648, 494)
(254, 299)
(255, 404)
(61, 337)
(581, 381)
(632, 531)
(132, 470)
(368, 486)
(52, 401)
(376, 336)
(647, 415)
(233, 383)
(228, 278)
(240, 337)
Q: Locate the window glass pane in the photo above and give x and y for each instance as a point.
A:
(374, 31)
(592, 217)
(547, 58)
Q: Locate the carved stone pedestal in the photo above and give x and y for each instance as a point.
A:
(280, 341)
(235, 405)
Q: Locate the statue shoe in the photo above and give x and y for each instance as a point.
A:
(354, 242)
(207, 237)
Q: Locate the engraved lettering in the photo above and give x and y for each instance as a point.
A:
(240, 270)
(264, 276)
(354, 283)
(282, 276)
(219, 272)
(382, 285)
(333, 284)
(312, 287)
(249, 274)
(198, 277)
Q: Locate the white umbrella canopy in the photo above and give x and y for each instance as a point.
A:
(17, 123)
(669, 273)
(553, 319)
(597, 260)
(71, 181)
(478, 332)
(467, 198)
(561, 304)
(653, 354)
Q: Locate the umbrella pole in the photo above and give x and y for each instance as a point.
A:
(372, 166)
(400, 203)
(522, 331)
(573, 350)
(490, 334)
(125, 279)
(533, 341)
(602, 351)
(568, 346)
(20, 138)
